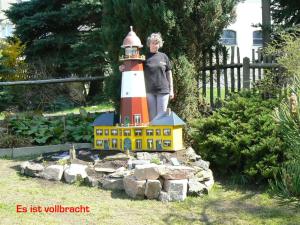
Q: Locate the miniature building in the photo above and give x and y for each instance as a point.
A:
(132, 129)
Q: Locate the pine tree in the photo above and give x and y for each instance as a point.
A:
(61, 37)
(286, 12)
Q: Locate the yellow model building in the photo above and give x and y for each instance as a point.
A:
(161, 134)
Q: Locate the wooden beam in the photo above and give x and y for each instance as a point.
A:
(51, 81)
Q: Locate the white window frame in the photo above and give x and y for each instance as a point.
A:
(137, 118)
(138, 132)
(167, 143)
(150, 143)
(149, 132)
(138, 143)
(114, 143)
(167, 132)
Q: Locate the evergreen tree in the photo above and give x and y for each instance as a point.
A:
(61, 37)
(286, 12)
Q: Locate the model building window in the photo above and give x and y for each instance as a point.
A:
(167, 143)
(137, 118)
(149, 132)
(120, 131)
(99, 131)
(106, 132)
(138, 132)
(138, 143)
(158, 132)
(167, 132)
(114, 132)
(150, 143)
(126, 132)
(114, 143)
(99, 142)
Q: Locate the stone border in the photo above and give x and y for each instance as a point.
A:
(37, 150)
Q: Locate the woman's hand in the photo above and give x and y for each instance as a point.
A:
(171, 95)
(122, 68)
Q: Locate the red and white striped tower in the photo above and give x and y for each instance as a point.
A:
(134, 108)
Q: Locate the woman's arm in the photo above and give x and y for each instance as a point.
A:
(170, 79)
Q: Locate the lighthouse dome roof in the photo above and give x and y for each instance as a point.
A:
(131, 40)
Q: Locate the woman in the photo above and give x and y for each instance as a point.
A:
(158, 77)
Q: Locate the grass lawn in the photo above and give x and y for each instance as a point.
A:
(224, 205)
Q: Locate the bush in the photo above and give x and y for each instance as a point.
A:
(42, 130)
(241, 137)
(12, 141)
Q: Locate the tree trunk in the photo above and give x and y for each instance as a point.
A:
(96, 88)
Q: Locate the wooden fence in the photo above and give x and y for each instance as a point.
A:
(223, 72)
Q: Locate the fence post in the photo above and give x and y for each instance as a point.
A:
(246, 73)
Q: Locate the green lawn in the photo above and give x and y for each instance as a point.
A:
(224, 205)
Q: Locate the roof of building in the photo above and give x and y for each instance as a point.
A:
(167, 119)
(106, 119)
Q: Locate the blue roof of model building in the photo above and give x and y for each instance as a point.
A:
(106, 119)
(168, 119)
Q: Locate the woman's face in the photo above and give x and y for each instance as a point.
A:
(154, 46)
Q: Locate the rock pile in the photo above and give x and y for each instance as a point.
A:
(161, 176)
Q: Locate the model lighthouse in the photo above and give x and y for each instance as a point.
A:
(134, 109)
(132, 130)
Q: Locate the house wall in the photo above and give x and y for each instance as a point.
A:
(248, 13)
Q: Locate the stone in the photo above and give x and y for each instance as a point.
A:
(176, 189)
(104, 170)
(174, 161)
(119, 156)
(53, 172)
(112, 183)
(61, 156)
(75, 172)
(120, 173)
(153, 188)
(191, 154)
(209, 184)
(202, 164)
(134, 188)
(204, 175)
(164, 197)
(33, 169)
(145, 172)
(91, 181)
(23, 167)
(139, 162)
(143, 156)
(177, 172)
(195, 188)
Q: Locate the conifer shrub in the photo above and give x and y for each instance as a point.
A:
(241, 138)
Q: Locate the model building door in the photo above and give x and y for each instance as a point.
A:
(127, 144)
(106, 145)
(158, 145)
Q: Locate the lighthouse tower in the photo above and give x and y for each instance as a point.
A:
(134, 108)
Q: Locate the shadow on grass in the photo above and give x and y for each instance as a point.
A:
(228, 210)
